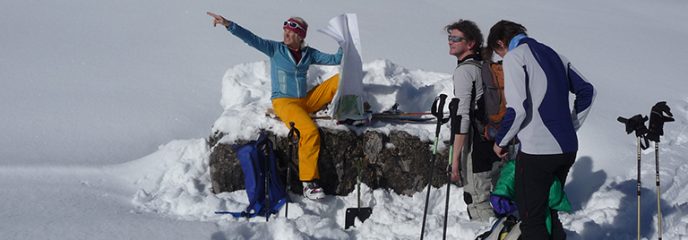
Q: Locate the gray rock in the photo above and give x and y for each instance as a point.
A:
(398, 161)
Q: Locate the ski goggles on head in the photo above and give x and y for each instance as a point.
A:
(455, 39)
(292, 24)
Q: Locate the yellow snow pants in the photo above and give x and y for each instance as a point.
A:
(298, 110)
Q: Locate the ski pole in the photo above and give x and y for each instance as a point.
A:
(293, 138)
(659, 114)
(637, 124)
(659, 191)
(455, 124)
(638, 187)
(358, 185)
(266, 176)
(437, 111)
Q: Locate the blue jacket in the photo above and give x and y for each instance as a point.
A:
(537, 83)
(288, 77)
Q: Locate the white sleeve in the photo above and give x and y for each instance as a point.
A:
(515, 92)
(463, 78)
(584, 91)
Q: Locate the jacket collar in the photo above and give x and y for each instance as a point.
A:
(475, 57)
(516, 40)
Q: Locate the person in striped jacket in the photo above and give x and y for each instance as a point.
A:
(537, 83)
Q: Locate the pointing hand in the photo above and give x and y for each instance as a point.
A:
(217, 19)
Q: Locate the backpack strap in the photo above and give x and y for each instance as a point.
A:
(275, 193)
(265, 153)
(475, 61)
(474, 123)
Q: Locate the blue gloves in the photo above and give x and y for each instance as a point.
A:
(502, 205)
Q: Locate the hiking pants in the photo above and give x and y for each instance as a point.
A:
(480, 172)
(298, 110)
(534, 177)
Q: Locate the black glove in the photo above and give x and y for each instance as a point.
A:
(636, 124)
(659, 114)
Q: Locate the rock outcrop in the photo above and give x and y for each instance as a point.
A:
(398, 161)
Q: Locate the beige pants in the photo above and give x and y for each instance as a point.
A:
(477, 186)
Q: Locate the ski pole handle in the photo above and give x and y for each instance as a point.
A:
(437, 108)
(453, 109)
(437, 111)
(636, 124)
(455, 118)
(294, 134)
(659, 114)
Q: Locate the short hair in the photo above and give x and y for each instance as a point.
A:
(470, 31)
(504, 30)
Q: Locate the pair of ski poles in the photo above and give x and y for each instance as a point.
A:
(659, 114)
(437, 111)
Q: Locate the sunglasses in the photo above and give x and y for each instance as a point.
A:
(293, 25)
(455, 39)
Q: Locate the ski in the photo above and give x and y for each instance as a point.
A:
(392, 117)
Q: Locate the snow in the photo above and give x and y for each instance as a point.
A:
(105, 106)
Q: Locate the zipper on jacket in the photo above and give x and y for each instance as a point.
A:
(298, 89)
(296, 78)
(296, 72)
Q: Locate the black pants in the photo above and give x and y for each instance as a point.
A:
(482, 154)
(534, 177)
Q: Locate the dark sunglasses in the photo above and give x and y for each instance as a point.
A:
(455, 39)
(293, 24)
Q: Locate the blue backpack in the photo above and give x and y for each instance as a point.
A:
(258, 162)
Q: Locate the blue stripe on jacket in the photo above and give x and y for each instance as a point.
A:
(556, 120)
(510, 115)
(554, 109)
(584, 91)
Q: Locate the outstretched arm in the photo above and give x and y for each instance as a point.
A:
(327, 59)
(263, 45)
(217, 19)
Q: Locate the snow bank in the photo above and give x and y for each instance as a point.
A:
(175, 180)
(246, 97)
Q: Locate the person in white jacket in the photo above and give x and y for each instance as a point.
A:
(537, 83)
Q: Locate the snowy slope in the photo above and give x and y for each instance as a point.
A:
(87, 87)
(603, 204)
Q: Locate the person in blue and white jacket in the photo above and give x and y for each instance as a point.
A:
(537, 82)
(289, 63)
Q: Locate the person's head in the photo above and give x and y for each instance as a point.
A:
(295, 29)
(501, 33)
(464, 38)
